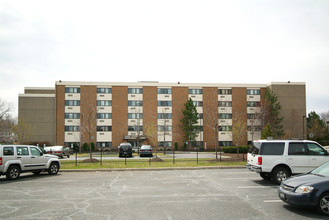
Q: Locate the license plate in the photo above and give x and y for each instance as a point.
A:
(282, 195)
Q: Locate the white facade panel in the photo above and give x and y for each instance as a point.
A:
(164, 121)
(167, 137)
(164, 109)
(135, 96)
(253, 110)
(104, 136)
(135, 109)
(72, 96)
(225, 98)
(164, 97)
(135, 122)
(223, 122)
(224, 109)
(104, 109)
(102, 96)
(256, 136)
(225, 136)
(72, 122)
(104, 121)
(72, 137)
(195, 97)
(253, 98)
(72, 109)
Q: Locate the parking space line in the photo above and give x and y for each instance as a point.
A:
(274, 200)
(254, 187)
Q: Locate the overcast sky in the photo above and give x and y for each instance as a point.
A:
(208, 41)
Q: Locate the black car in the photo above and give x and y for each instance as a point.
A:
(125, 150)
(308, 190)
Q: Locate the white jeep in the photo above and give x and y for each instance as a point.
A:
(16, 159)
(279, 159)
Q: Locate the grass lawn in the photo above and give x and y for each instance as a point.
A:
(146, 163)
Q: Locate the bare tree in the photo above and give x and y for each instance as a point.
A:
(239, 130)
(22, 131)
(5, 133)
(151, 131)
(5, 108)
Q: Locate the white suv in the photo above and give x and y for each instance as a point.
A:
(15, 159)
(279, 159)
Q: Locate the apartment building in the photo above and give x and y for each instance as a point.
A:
(109, 113)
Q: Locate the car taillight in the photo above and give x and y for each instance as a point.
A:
(260, 160)
(58, 152)
(0, 160)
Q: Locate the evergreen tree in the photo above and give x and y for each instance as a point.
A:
(317, 129)
(271, 113)
(190, 122)
(267, 132)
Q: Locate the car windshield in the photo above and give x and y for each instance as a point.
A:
(322, 170)
(146, 147)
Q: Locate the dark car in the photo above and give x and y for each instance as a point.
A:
(125, 150)
(146, 150)
(308, 190)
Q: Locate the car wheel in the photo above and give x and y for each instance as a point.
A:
(53, 169)
(68, 156)
(280, 174)
(265, 176)
(323, 204)
(13, 172)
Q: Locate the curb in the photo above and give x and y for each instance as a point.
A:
(151, 169)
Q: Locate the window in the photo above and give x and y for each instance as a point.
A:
(253, 91)
(104, 90)
(251, 116)
(225, 116)
(162, 128)
(135, 91)
(164, 115)
(104, 144)
(104, 128)
(35, 151)
(165, 144)
(164, 91)
(224, 128)
(135, 128)
(225, 91)
(225, 143)
(200, 115)
(315, 149)
(72, 128)
(104, 103)
(198, 103)
(296, 149)
(22, 151)
(253, 104)
(195, 91)
(254, 128)
(164, 103)
(72, 102)
(104, 115)
(224, 104)
(8, 151)
(72, 115)
(72, 90)
(272, 149)
(135, 115)
(135, 103)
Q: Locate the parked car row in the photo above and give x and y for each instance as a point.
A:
(126, 150)
(278, 160)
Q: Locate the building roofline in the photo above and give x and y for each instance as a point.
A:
(160, 84)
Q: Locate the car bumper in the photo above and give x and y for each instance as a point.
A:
(254, 168)
(296, 199)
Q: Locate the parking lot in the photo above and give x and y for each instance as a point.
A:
(171, 194)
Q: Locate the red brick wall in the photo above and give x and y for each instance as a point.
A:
(119, 114)
(239, 107)
(88, 113)
(179, 98)
(150, 111)
(60, 109)
(210, 115)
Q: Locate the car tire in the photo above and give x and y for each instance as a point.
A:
(13, 172)
(266, 176)
(280, 174)
(53, 168)
(323, 204)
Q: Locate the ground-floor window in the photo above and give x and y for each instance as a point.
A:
(226, 143)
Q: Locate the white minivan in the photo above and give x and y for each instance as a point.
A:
(279, 159)
(16, 159)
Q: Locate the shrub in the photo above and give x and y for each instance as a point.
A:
(85, 146)
(242, 149)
